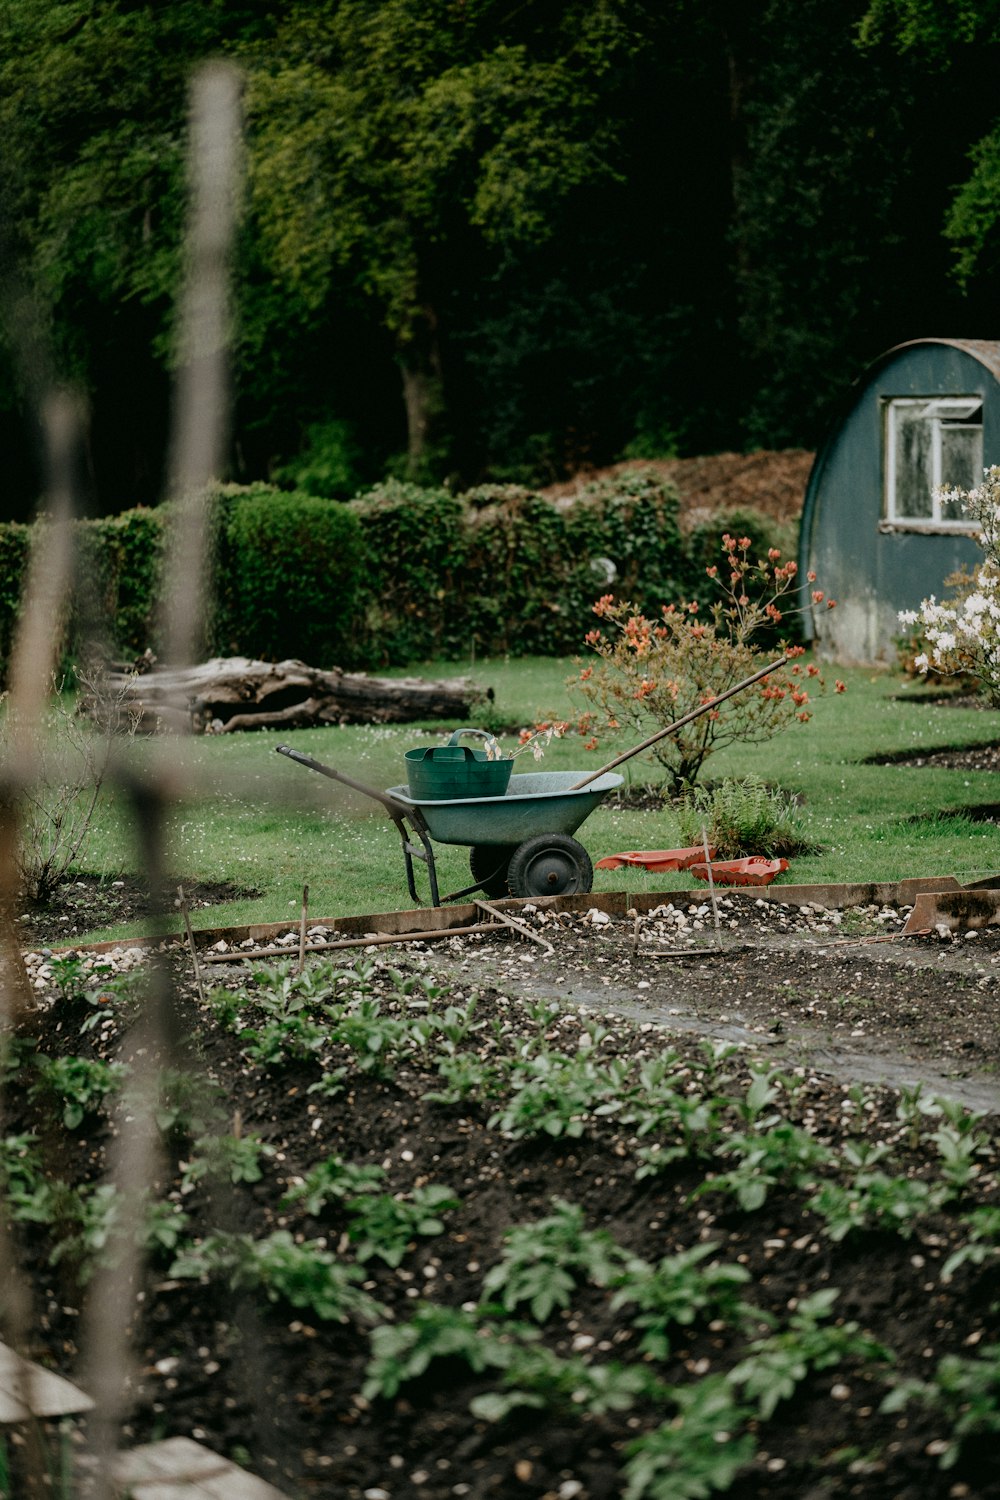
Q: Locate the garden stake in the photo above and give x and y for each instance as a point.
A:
(696, 713)
(302, 928)
(635, 934)
(515, 925)
(191, 944)
(711, 887)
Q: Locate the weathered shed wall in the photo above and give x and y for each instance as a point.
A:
(874, 572)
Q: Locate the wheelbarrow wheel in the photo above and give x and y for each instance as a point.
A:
(488, 863)
(552, 864)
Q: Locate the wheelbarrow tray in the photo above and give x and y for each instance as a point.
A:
(536, 803)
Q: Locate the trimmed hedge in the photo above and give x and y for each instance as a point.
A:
(288, 575)
(501, 570)
(399, 574)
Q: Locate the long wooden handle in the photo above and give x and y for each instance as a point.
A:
(696, 713)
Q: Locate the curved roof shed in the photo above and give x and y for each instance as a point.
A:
(875, 531)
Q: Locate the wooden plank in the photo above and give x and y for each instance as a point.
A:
(27, 1390)
(959, 911)
(442, 918)
(181, 1469)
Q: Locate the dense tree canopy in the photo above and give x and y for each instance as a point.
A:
(490, 240)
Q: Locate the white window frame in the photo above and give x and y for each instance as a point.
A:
(936, 408)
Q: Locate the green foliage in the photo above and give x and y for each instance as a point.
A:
(290, 567)
(383, 140)
(29, 1194)
(304, 1274)
(187, 1103)
(536, 1378)
(679, 1291)
(92, 1227)
(556, 1095)
(118, 571)
(397, 575)
(542, 1260)
(81, 1083)
(689, 1119)
(503, 570)
(404, 1351)
(333, 1178)
(775, 1366)
(742, 816)
(784, 1154)
(876, 1201)
(328, 465)
(982, 1246)
(654, 671)
(465, 1076)
(965, 1392)
(699, 1451)
(14, 545)
(225, 1158)
(385, 1226)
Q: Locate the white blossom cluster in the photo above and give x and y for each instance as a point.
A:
(963, 633)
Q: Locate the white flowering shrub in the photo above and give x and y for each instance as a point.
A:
(962, 633)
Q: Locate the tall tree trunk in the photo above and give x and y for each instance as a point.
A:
(419, 357)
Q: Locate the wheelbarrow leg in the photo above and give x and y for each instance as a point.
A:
(410, 851)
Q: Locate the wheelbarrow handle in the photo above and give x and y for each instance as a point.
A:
(396, 810)
(696, 713)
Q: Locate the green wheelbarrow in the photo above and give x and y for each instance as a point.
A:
(520, 844)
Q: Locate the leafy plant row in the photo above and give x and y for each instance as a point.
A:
(725, 1134)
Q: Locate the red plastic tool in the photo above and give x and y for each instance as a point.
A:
(754, 870)
(656, 861)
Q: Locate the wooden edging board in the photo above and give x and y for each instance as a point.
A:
(615, 903)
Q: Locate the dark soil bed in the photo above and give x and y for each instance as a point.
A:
(818, 1005)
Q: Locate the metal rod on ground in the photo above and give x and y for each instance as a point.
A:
(635, 933)
(371, 940)
(696, 713)
(515, 925)
(711, 887)
(302, 928)
(191, 944)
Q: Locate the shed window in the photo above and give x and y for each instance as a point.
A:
(930, 444)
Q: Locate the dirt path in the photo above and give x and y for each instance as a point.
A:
(868, 1007)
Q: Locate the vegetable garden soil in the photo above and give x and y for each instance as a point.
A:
(821, 1005)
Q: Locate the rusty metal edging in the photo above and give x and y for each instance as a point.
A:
(615, 903)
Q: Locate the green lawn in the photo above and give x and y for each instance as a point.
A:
(264, 822)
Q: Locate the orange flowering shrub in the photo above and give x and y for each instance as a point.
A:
(652, 672)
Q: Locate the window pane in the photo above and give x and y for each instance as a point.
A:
(961, 464)
(914, 475)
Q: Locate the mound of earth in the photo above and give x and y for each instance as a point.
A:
(771, 482)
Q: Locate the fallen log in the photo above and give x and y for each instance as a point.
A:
(234, 693)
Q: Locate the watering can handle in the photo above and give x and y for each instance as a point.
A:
(696, 713)
(492, 748)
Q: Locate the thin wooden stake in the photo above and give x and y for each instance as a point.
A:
(515, 925)
(711, 887)
(302, 928)
(191, 944)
